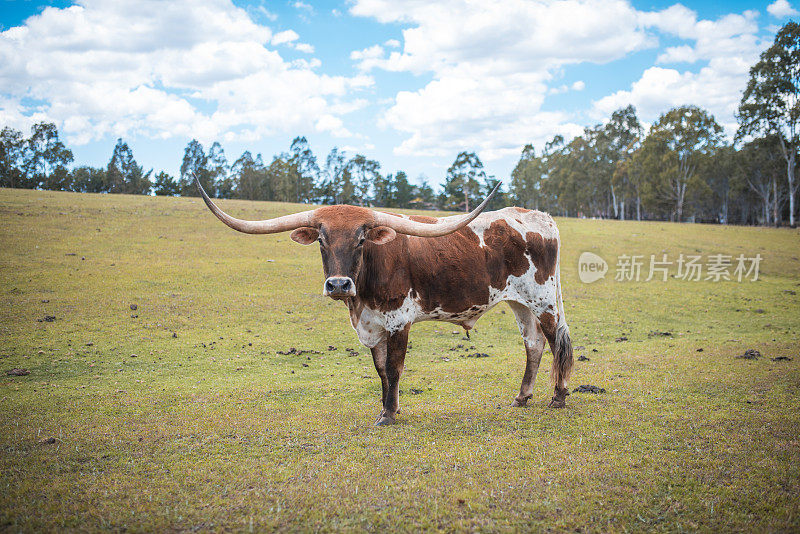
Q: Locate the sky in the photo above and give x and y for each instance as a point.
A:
(410, 83)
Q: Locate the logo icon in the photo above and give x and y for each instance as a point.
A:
(591, 267)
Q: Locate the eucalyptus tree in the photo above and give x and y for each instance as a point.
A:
(46, 158)
(305, 169)
(195, 162)
(165, 185)
(673, 152)
(124, 174)
(462, 183)
(219, 171)
(525, 189)
(364, 172)
(770, 103)
(620, 138)
(12, 150)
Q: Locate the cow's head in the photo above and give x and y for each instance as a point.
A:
(342, 232)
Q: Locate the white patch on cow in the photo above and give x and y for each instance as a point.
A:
(522, 222)
(369, 327)
(407, 313)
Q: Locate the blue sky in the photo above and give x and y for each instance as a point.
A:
(409, 83)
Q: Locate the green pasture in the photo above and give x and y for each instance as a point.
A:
(182, 415)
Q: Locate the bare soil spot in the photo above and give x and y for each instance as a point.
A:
(587, 388)
(750, 354)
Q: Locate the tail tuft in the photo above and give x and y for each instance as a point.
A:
(562, 357)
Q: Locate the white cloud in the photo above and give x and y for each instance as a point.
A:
(284, 37)
(174, 69)
(716, 88)
(728, 47)
(392, 43)
(492, 64)
(303, 6)
(304, 47)
(264, 12)
(781, 9)
(563, 88)
(368, 58)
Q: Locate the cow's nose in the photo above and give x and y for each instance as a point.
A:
(339, 286)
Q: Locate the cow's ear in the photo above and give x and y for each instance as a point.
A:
(381, 234)
(305, 235)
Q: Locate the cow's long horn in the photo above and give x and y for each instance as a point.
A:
(440, 228)
(269, 226)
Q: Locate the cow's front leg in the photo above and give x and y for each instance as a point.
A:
(396, 346)
(379, 358)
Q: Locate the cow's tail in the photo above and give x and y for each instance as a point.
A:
(562, 355)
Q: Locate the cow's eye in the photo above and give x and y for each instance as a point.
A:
(361, 241)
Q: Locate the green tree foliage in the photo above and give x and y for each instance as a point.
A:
(124, 175)
(195, 163)
(402, 193)
(305, 170)
(771, 101)
(526, 178)
(281, 180)
(423, 195)
(761, 167)
(166, 186)
(462, 185)
(251, 177)
(337, 184)
(219, 171)
(673, 152)
(570, 177)
(499, 200)
(720, 175)
(12, 150)
(365, 173)
(395, 191)
(619, 139)
(46, 158)
(86, 179)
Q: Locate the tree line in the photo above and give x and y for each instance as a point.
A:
(682, 169)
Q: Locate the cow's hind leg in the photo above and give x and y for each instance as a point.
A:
(396, 346)
(533, 337)
(557, 334)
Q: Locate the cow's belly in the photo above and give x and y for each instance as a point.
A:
(372, 326)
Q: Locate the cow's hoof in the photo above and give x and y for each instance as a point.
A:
(384, 420)
(519, 403)
(557, 403)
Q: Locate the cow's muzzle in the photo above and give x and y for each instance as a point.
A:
(339, 287)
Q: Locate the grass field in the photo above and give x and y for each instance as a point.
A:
(181, 415)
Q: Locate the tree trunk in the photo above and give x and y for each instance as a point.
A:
(622, 210)
(790, 176)
(789, 153)
(638, 206)
(614, 202)
(775, 200)
(679, 207)
(725, 209)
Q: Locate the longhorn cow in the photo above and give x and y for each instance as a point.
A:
(392, 271)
